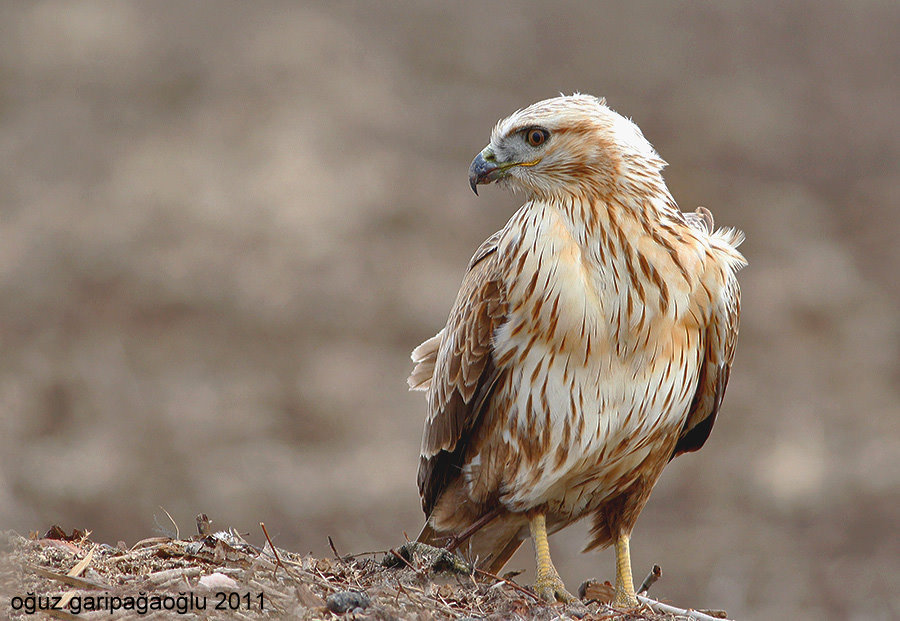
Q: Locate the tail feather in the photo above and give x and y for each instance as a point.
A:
(428, 535)
(491, 547)
(497, 562)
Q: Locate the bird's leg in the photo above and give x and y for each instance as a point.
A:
(625, 596)
(548, 585)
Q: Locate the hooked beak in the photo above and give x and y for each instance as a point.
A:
(482, 170)
(486, 169)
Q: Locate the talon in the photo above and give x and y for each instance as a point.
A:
(625, 601)
(548, 585)
(551, 589)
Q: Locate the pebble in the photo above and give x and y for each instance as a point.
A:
(345, 601)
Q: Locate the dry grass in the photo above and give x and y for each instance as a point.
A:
(222, 576)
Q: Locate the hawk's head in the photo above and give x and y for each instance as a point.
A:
(569, 145)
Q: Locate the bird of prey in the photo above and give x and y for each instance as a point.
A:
(589, 345)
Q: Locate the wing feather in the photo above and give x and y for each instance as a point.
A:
(719, 341)
(463, 373)
(425, 357)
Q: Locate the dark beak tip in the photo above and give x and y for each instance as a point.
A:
(479, 172)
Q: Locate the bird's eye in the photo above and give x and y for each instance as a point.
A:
(536, 136)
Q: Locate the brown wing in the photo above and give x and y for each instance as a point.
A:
(719, 340)
(463, 375)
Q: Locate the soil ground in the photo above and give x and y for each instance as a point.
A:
(221, 576)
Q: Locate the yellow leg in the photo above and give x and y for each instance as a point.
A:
(625, 596)
(548, 585)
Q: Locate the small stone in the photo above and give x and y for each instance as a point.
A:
(344, 601)
(218, 581)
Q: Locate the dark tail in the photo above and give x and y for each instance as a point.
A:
(428, 535)
(492, 546)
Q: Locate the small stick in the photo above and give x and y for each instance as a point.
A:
(274, 551)
(334, 549)
(79, 583)
(358, 554)
(177, 533)
(74, 573)
(168, 575)
(509, 582)
(59, 614)
(408, 564)
(672, 610)
(651, 578)
(150, 542)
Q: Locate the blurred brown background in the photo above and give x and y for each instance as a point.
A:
(223, 226)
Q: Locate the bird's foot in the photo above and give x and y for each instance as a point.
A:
(551, 589)
(625, 600)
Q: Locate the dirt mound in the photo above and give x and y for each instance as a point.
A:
(220, 575)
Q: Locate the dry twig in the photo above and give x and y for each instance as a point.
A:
(408, 564)
(164, 577)
(651, 579)
(175, 524)
(278, 562)
(517, 587)
(75, 572)
(78, 583)
(672, 610)
(334, 549)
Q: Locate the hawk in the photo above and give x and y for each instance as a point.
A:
(590, 344)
